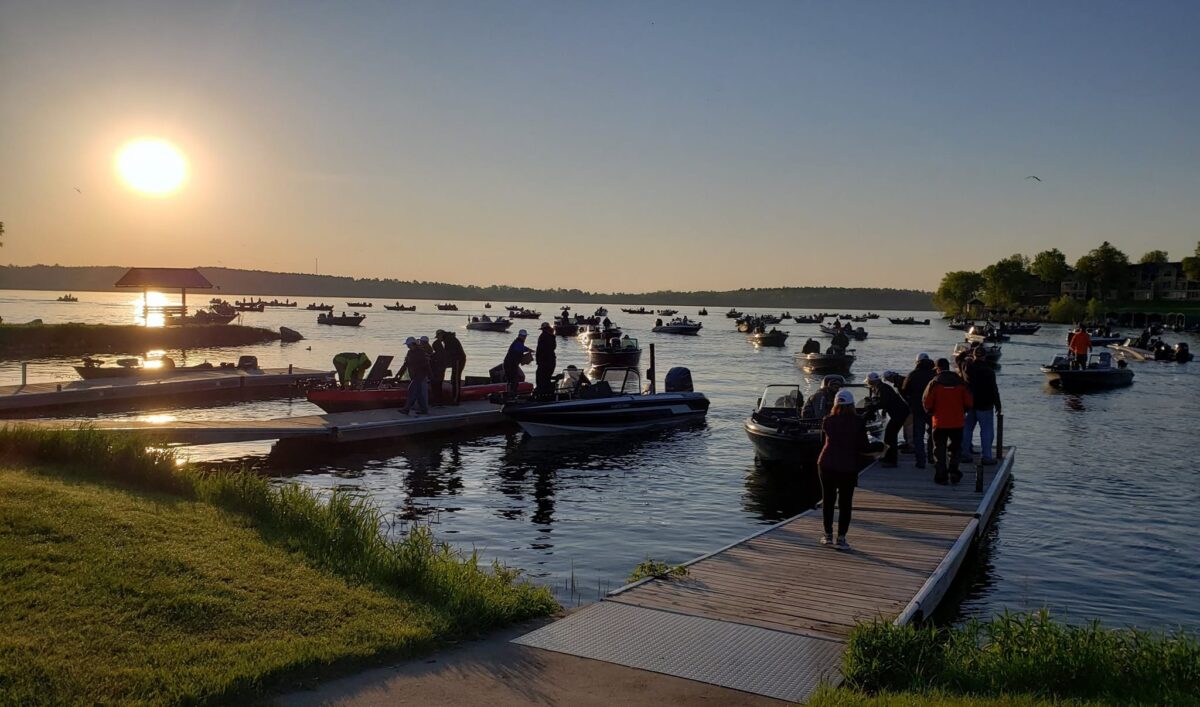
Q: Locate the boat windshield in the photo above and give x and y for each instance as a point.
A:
(780, 397)
(623, 381)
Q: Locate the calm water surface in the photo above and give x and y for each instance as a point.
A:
(1102, 519)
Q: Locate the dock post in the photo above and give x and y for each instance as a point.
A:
(650, 371)
(289, 369)
(24, 371)
(999, 435)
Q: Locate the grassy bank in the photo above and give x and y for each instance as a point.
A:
(1017, 659)
(129, 578)
(29, 340)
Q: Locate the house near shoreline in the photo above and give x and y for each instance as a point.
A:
(1145, 282)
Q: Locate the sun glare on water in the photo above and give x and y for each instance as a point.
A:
(152, 166)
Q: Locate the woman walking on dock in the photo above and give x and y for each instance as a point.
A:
(845, 442)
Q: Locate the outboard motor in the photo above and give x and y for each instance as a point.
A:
(678, 380)
(247, 363)
(1182, 354)
(1105, 359)
(1059, 362)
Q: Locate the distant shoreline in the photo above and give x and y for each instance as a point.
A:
(256, 283)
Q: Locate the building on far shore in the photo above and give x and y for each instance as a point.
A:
(1145, 282)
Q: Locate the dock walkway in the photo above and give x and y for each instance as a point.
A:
(360, 426)
(770, 614)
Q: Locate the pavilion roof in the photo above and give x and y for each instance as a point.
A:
(173, 278)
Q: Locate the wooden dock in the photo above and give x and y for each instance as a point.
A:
(66, 396)
(342, 427)
(770, 614)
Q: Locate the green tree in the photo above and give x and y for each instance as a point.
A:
(1003, 280)
(1105, 269)
(1050, 266)
(957, 288)
(1154, 256)
(1191, 265)
(1067, 310)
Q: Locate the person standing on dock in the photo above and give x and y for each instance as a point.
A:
(897, 412)
(947, 401)
(438, 362)
(913, 390)
(517, 351)
(456, 358)
(985, 395)
(846, 441)
(546, 360)
(416, 362)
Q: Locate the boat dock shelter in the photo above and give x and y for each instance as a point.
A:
(771, 614)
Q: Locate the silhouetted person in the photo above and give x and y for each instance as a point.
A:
(438, 364)
(512, 361)
(985, 403)
(811, 346)
(456, 357)
(546, 360)
(846, 440)
(416, 362)
(897, 412)
(840, 340)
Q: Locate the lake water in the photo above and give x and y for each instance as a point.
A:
(1101, 522)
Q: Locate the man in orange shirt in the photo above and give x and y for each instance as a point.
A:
(947, 400)
(1080, 346)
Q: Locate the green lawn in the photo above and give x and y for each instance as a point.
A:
(116, 596)
(834, 697)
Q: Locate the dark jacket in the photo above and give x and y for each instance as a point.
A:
(981, 380)
(439, 359)
(546, 344)
(947, 400)
(454, 348)
(811, 346)
(516, 351)
(915, 383)
(416, 362)
(845, 443)
(840, 340)
(890, 401)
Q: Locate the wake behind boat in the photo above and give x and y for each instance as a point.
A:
(615, 403)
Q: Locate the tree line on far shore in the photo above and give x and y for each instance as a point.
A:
(1011, 283)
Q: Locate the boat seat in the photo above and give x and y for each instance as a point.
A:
(379, 371)
(599, 389)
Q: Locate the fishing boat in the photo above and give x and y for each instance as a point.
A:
(314, 307)
(858, 334)
(202, 316)
(522, 313)
(667, 312)
(1154, 349)
(400, 308)
(614, 403)
(774, 337)
(780, 434)
(1099, 374)
(486, 323)
(1103, 339)
(985, 335)
(600, 312)
(360, 304)
(991, 352)
(394, 394)
(96, 369)
(733, 314)
(1019, 328)
(565, 326)
(909, 321)
(67, 298)
(833, 360)
(341, 319)
(769, 319)
(703, 312)
(960, 324)
(447, 307)
(613, 352)
(591, 332)
(250, 306)
(487, 305)
(639, 310)
(677, 326)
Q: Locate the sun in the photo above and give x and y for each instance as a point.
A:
(152, 166)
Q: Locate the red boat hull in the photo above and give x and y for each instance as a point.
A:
(339, 400)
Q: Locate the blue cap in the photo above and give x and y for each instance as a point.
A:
(409, 341)
(522, 333)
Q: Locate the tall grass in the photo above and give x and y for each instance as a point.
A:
(1027, 654)
(340, 532)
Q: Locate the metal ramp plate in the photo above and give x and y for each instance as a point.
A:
(785, 666)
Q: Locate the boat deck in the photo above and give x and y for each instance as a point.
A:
(63, 395)
(770, 614)
(361, 426)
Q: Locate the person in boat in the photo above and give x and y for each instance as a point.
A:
(897, 412)
(456, 359)
(546, 360)
(607, 323)
(845, 436)
(438, 363)
(416, 363)
(350, 368)
(658, 322)
(985, 397)
(517, 351)
(913, 390)
(811, 346)
(821, 402)
(947, 400)
(1080, 346)
(626, 342)
(840, 340)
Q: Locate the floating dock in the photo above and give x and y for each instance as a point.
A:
(67, 396)
(360, 426)
(771, 614)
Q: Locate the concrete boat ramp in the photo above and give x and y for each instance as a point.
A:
(362, 426)
(771, 614)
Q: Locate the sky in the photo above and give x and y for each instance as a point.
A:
(602, 145)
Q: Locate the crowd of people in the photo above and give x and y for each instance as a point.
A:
(945, 400)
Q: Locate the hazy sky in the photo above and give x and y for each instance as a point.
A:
(602, 145)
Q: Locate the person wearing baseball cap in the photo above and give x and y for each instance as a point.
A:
(821, 402)
(416, 363)
(546, 360)
(841, 457)
(897, 412)
(913, 390)
(513, 359)
(439, 361)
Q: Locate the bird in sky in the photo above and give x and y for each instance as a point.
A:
(1034, 176)
(78, 190)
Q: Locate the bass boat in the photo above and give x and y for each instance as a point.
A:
(834, 360)
(1099, 374)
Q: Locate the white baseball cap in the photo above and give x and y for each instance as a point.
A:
(845, 397)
